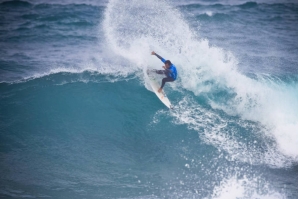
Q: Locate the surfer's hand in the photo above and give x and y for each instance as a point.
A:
(152, 53)
(159, 90)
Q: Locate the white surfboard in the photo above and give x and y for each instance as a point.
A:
(155, 85)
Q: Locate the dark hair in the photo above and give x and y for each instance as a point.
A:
(168, 62)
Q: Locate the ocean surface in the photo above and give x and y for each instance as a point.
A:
(79, 120)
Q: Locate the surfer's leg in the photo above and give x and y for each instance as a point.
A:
(166, 79)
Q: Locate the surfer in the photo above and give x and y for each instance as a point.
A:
(170, 71)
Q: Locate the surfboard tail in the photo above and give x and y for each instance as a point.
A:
(155, 85)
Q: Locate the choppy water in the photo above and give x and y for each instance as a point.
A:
(78, 120)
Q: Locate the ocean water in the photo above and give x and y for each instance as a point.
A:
(78, 119)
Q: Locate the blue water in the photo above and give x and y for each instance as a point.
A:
(78, 118)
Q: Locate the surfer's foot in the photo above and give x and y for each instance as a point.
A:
(159, 90)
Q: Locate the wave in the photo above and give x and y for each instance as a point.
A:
(226, 133)
(15, 4)
(29, 3)
(248, 5)
(206, 71)
(88, 70)
(236, 6)
(238, 124)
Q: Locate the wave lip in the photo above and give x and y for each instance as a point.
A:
(16, 4)
(248, 5)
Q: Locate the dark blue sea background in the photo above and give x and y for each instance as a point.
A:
(79, 120)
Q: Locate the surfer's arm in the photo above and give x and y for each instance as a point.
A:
(167, 72)
(158, 56)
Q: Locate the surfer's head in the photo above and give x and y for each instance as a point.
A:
(168, 63)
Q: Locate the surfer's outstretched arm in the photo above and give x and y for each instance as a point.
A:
(158, 56)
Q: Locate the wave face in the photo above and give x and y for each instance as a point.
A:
(78, 119)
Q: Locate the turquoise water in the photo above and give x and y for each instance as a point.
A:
(78, 119)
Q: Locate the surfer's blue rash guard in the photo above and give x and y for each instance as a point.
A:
(171, 72)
